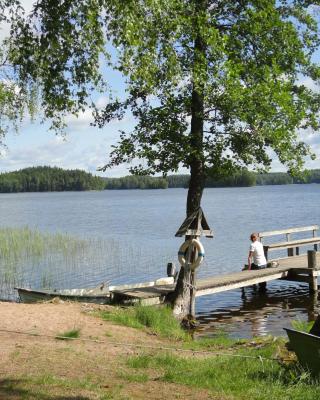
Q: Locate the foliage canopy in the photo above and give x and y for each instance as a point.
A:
(14, 99)
(245, 60)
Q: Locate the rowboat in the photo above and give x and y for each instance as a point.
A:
(102, 294)
(307, 348)
(99, 295)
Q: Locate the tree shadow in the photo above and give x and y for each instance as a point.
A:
(11, 389)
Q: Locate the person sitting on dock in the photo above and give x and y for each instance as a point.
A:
(256, 253)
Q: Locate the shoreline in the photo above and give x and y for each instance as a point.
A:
(110, 361)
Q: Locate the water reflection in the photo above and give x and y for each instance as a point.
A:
(248, 312)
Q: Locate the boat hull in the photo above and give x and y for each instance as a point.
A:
(307, 349)
(102, 294)
(34, 296)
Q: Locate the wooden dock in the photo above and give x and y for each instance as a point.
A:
(295, 268)
(290, 268)
(298, 268)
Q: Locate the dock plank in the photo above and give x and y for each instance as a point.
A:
(238, 280)
(241, 279)
(230, 281)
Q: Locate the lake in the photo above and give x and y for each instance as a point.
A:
(135, 230)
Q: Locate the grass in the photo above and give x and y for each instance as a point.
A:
(72, 334)
(158, 320)
(233, 378)
(134, 377)
(230, 375)
(49, 387)
(219, 340)
(103, 373)
(302, 326)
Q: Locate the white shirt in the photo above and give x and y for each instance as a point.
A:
(258, 254)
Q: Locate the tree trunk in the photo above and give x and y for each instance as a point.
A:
(183, 298)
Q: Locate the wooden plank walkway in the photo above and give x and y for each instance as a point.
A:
(236, 280)
(148, 295)
(290, 268)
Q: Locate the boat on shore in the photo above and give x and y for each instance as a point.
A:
(307, 348)
(102, 294)
(99, 295)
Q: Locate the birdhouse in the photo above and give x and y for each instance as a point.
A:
(195, 225)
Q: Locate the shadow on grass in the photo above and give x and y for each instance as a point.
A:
(289, 375)
(13, 389)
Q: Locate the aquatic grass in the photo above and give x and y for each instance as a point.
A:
(25, 252)
(31, 258)
(158, 320)
(71, 334)
(16, 243)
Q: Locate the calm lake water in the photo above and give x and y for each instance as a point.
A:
(136, 228)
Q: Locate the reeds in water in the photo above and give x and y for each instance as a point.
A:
(31, 258)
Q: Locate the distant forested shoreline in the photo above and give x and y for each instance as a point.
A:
(47, 179)
(243, 178)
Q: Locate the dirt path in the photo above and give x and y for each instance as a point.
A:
(44, 368)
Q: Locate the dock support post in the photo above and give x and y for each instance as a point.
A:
(312, 264)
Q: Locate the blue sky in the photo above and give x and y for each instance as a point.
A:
(83, 147)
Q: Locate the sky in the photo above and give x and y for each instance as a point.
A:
(85, 147)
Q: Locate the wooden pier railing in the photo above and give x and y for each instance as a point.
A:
(289, 244)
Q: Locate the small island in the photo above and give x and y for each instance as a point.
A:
(49, 179)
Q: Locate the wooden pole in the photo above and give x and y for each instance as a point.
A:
(312, 264)
(289, 251)
(314, 234)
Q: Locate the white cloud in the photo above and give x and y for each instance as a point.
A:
(78, 150)
(80, 122)
(310, 84)
(102, 101)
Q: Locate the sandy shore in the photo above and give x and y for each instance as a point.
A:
(35, 365)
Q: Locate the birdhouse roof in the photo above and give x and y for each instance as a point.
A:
(195, 225)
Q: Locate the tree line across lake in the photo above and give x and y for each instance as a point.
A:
(237, 179)
(47, 179)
